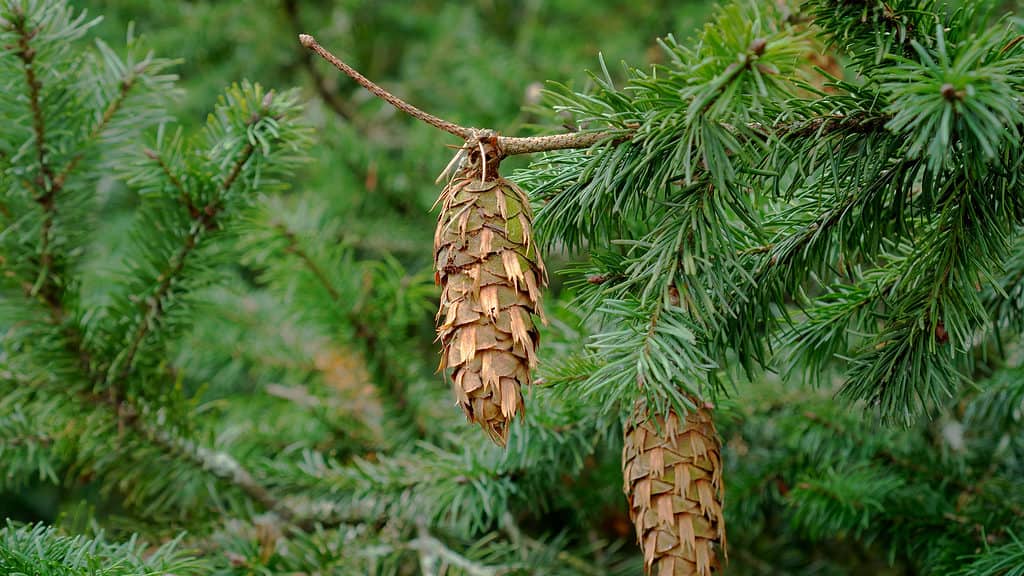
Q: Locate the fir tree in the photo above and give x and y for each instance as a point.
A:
(824, 265)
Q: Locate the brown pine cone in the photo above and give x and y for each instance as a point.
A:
(672, 476)
(491, 276)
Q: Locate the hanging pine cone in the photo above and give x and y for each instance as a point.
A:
(672, 473)
(491, 276)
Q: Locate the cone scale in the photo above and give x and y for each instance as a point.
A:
(490, 275)
(672, 477)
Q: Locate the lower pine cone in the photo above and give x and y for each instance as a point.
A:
(672, 476)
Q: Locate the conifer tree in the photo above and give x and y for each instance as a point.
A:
(792, 309)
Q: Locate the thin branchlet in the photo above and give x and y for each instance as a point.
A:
(206, 220)
(513, 146)
(45, 191)
(124, 88)
(509, 146)
(449, 127)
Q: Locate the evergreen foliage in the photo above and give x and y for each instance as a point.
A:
(218, 338)
(39, 550)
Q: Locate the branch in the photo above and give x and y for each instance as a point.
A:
(44, 180)
(449, 127)
(125, 87)
(154, 304)
(331, 98)
(227, 468)
(293, 247)
(220, 464)
(50, 185)
(33, 439)
(818, 126)
(920, 470)
(27, 54)
(183, 196)
(511, 146)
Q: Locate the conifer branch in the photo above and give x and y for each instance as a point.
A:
(227, 468)
(918, 469)
(27, 54)
(129, 416)
(205, 220)
(45, 190)
(237, 168)
(124, 88)
(220, 464)
(175, 181)
(32, 439)
(293, 247)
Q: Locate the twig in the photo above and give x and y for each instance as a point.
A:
(193, 210)
(219, 464)
(293, 247)
(49, 185)
(526, 544)
(44, 180)
(33, 439)
(449, 127)
(511, 146)
(27, 54)
(124, 88)
(337, 104)
(227, 468)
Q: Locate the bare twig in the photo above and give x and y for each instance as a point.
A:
(449, 127)
(332, 99)
(511, 146)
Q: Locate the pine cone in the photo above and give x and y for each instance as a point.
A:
(491, 276)
(672, 477)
